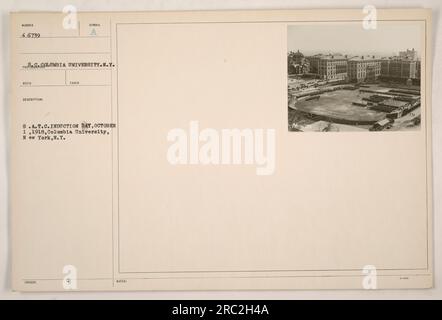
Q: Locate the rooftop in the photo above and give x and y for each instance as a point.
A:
(329, 56)
(365, 58)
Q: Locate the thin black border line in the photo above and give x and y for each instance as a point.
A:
(112, 152)
(426, 138)
(65, 68)
(62, 37)
(237, 277)
(264, 271)
(262, 22)
(61, 53)
(118, 152)
(284, 276)
(64, 85)
(55, 279)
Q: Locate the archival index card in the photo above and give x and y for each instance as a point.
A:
(221, 150)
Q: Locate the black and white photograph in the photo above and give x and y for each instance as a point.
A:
(344, 77)
(144, 154)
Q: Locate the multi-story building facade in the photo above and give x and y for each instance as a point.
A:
(314, 63)
(418, 69)
(399, 69)
(329, 67)
(385, 67)
(364, 68)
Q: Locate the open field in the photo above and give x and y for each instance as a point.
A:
(346, 107)
(337, 105)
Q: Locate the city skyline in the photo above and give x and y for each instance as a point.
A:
(352, 55)
(351, 39)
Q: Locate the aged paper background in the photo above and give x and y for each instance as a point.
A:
(130, 100)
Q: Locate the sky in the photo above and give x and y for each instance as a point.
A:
(350, 38)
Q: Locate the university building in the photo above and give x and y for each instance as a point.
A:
(329, 67)
(418, 69)
(364, 68)
(404, 67)
(399, 69)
